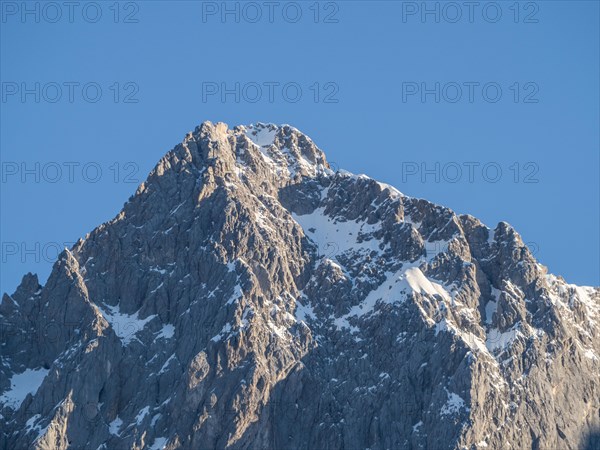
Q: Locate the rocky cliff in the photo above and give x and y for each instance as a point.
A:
(249, 296)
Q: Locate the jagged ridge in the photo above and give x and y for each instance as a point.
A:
(268, 301)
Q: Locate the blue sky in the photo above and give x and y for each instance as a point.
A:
(512, 135)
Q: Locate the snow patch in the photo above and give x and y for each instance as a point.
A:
(32, 425)
(22, 384)
(472, 341)
(262, 135)
(500, 340)
(335, 237)
(237, 294)
(303, 312)
(454, 404)
(163, 369)
(125, 326)
(395, 192)
(394, 289)
(417, 426)
(115, 426)
(159, 443)
(391, 290)
(143, 413)
(167, 332)
(421, 284)
(224, 331)
(589, 353)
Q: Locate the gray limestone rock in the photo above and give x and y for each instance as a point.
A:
(248, 296)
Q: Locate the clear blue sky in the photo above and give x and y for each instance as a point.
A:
(373, 58)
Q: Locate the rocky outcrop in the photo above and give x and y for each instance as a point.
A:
(249, 296)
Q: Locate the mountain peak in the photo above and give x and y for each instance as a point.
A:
(268, 150)
(268, 302)
(261, 134)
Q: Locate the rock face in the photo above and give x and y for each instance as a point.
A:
(248, 296)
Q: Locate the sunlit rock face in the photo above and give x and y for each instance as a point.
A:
(250, 296)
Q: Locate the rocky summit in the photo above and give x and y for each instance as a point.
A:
(248, 296)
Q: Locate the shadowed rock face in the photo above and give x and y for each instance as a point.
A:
(248, 296)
